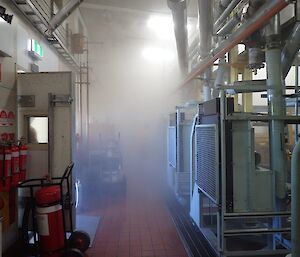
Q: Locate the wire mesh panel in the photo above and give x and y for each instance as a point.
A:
(207, 160)
(172, 146)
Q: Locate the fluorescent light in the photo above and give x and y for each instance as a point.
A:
(162, 25)
(156, 54)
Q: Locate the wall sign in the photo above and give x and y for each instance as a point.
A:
(3, 118)
(7, 118)
(34, 49)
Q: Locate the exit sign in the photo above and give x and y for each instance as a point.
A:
(35, 49)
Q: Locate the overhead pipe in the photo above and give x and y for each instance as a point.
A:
(205, 18)
(229, 26)
(179, 13)
(226, 13)
(290, 50)
(225, 3)
(259, 19)
(295, 187)
(62, 15)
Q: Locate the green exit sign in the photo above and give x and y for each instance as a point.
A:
(35, 49)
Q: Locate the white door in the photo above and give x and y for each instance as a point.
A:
(46, 122)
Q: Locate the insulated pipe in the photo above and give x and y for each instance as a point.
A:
(290, 50)
(276, 107)
(257, 21)
(62, 14)
(179, 13)
(295, 183)
(221, 72)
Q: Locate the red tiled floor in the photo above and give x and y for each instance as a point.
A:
(138, 225)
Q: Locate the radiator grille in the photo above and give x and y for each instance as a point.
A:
(207, 159)
(172, 146)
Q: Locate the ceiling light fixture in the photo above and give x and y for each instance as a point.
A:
(162, 25)
(4, 16)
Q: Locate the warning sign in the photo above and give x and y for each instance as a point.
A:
(3, 118)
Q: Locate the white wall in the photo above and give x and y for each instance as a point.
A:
(14, 39)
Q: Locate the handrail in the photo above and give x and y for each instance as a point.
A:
(38, 182)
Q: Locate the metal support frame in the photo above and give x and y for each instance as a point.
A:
(224, 234)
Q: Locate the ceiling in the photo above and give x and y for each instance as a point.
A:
(143, 6)
(124, 18)
(159, 6)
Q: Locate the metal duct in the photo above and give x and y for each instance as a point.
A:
(290, 50)
(179, 13)
(62, 14)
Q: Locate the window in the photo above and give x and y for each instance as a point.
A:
(38, 130)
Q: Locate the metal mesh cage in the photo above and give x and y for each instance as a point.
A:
(207, 160)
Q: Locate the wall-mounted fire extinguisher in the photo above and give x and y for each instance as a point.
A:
(15, 165)
(5, 168)
(50, 221)
(23, 161)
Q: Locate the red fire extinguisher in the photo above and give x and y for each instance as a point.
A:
(15, 165)
(5, 169)
(50, 221)
(23, 161)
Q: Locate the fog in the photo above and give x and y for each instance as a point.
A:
(134, 81)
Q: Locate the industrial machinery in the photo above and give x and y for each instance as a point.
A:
(106, 160)
(244, 142)
(111, 171)
(179, 132)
